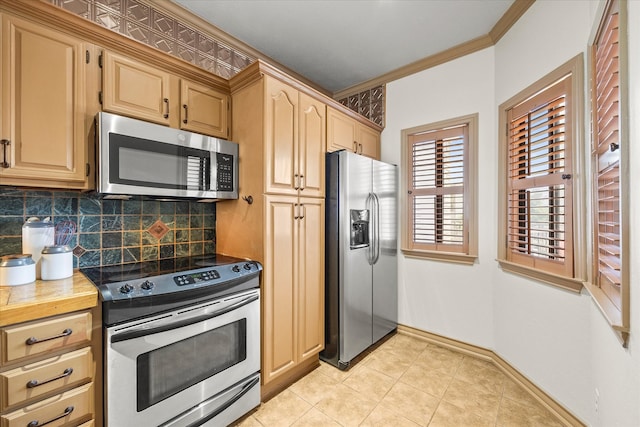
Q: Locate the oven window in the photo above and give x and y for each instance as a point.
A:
(169, 370)
(146, 163)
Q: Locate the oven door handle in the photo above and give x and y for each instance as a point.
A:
(128, 335)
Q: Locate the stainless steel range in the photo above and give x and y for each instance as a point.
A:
(181, 340)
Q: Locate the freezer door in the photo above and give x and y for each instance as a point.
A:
(355, 278)
(385, 270)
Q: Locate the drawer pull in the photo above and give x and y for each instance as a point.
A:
(35, 383)
(36, 423)
(34, 340)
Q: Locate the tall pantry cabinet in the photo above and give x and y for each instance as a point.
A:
(282, 135)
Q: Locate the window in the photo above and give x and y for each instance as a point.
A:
(539, 152)
(609, 283)
(439, 207)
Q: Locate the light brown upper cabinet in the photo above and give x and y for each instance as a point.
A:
(346, 133)
(138, 90)
(46, 117)
(294, 141)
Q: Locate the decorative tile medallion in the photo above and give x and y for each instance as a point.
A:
(158, 229)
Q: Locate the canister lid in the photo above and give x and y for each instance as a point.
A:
(34, 222)
(56, 249)
(16, 260)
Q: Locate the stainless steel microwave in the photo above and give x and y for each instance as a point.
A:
(141, 158)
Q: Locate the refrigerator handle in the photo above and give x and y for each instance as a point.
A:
(376, 229)
(370, 205)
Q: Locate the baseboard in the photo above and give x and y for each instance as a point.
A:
(563, 414)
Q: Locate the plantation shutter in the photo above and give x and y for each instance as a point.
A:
(606, 155)
(436, 190)
(539, 229)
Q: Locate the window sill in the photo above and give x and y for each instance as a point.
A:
(610, 312)
(454, 257)
(569, 284)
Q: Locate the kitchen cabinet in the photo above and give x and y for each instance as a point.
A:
(47, 371)
(294, 141)
(346, 133)
(281, 129)
(293, 283)
(135, 89)
(47, 78)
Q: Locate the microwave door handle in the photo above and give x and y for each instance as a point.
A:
(137, 333)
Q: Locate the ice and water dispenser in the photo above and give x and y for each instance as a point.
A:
(359, 228)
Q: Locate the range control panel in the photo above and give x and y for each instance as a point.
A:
(174, 282)
(192, 278)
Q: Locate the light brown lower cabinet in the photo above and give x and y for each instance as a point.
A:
(66, 408)
(48, 371)
(293, 283)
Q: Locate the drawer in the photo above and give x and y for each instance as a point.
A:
(28, 339)
(65, 408)
(89, 423)
(45, 376)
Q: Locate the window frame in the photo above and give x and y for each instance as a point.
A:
(575, 116)
(618, 318)
(470, 191)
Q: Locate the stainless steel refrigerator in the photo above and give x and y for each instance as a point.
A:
(361, 289)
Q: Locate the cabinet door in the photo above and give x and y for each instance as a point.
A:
(310, 277)
(203, 109)
(43, 106)
(369, 142)
(311, 148)
(134, 89)
(279, 293)
(281, 138)
(341, 131)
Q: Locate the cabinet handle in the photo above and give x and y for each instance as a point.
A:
(166, 108)
(296, 181)
(302, 186)
(185, 113)
(36, 423)
(304, 211)
(5, 143)
(34, 340)
(295, 214)
(360, 145)
(355, 147)
(35, 383)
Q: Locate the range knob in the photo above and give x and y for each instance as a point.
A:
(236, 269)
(147, 285)
(126, 289)
(247, 266)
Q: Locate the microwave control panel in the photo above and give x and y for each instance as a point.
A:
(224, 172)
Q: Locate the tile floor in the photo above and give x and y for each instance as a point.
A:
(404, 382)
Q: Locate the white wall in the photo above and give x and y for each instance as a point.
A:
(451, 301)
(556, 338)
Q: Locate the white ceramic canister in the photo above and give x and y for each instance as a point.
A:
(36, 235)
(17, 270)
(56, 262)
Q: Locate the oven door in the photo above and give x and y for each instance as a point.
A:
(159, 368)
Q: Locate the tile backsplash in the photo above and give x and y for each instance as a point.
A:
(111, 231)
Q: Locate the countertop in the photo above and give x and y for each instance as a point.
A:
(46, 298)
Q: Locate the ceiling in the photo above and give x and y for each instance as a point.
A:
(338, 44)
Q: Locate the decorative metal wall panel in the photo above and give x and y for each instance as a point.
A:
(368, 103)
(142, 22)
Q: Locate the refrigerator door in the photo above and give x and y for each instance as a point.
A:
(385, 270)
(356, 274)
